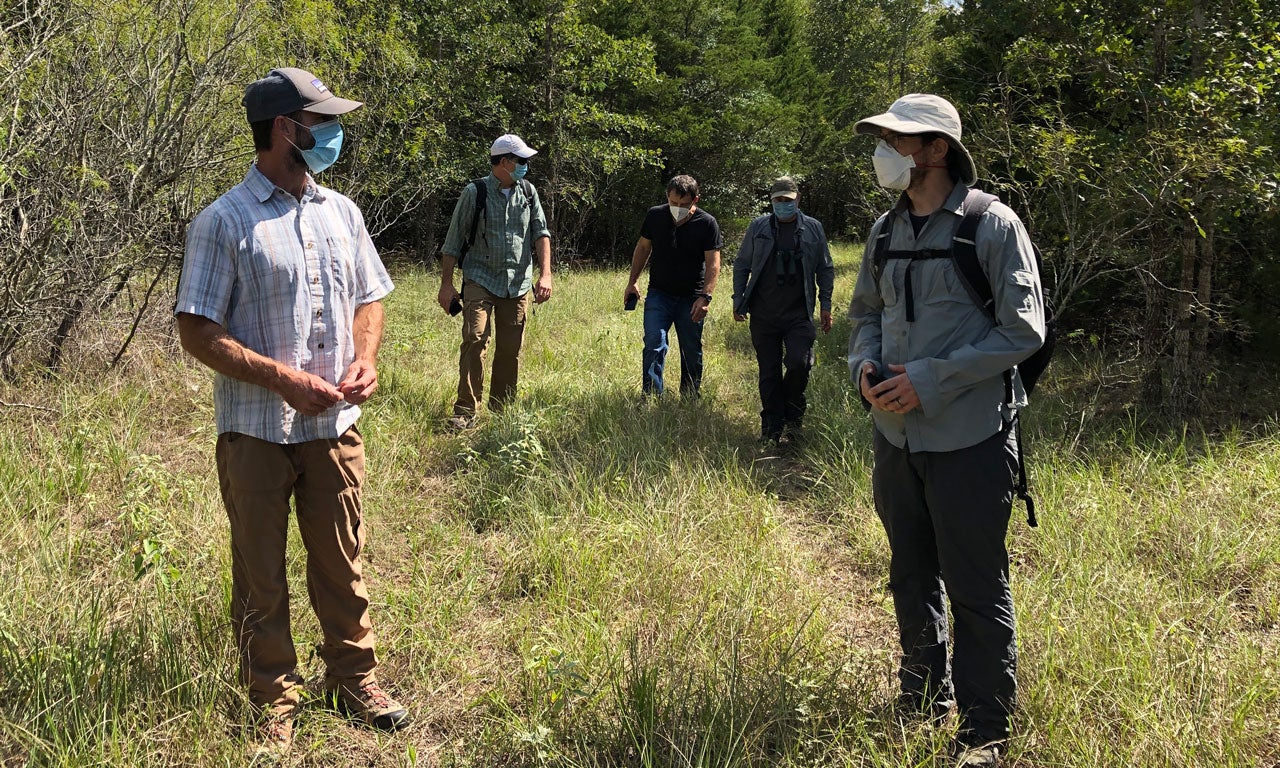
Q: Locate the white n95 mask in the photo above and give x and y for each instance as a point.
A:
(893, 170)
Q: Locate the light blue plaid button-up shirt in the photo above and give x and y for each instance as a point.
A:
(284, 277)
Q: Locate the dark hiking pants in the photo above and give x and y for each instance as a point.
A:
(946, 515)
(782, 344)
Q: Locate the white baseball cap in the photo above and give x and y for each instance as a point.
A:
(511, 144)
(923, 113)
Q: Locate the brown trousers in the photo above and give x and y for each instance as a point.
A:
(483, 312)
(324, 477)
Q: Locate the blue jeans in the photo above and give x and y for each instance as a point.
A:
(660, 311)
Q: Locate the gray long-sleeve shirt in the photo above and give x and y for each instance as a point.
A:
(954, 355)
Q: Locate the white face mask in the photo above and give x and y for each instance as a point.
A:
(678, 213)
(893, 170)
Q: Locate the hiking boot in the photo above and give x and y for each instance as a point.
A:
(985, 756)
(462, 423)
(370, 704)
(275, 738)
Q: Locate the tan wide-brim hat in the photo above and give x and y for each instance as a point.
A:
(923, 113)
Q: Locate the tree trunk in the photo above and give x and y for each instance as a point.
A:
(1178, 391)
(1204, 301)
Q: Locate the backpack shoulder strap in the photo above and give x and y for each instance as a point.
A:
(478, 210)
(881, 252)
(964, 250)
(527, 186)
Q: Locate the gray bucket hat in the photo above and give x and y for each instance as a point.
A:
(289, 89)
(923, 113)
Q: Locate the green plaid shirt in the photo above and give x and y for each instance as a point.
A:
(501, 258)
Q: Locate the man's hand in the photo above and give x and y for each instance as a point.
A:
(739, 318)
(542, 288)
(446, 296)
(700, 309)
(629, 291)
(360, 382)
(826, 321)
(308, 394)
(895, 394)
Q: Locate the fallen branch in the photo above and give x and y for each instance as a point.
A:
(44, 408)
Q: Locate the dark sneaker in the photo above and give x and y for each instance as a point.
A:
(461, 423)
(985, 756)
(275, 738)
(793, 433)
(370, 704)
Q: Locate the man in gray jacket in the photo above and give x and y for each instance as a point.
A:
(939, 375)
(783, 264)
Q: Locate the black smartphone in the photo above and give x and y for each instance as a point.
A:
(630, 303)
(872, 378)
(455, 306)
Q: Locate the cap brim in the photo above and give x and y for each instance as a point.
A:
(528, 152)
(334, 106)
(784, 195)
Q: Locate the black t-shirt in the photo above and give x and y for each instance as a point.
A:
(678, 263)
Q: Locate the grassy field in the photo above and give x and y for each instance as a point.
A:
(587, 581)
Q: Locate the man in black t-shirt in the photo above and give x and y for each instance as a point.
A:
(681, 243)
(782, 271)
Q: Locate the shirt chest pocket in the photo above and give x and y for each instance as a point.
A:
(935, 282)
(338, 262)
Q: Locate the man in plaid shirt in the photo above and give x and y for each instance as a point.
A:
(281, 295)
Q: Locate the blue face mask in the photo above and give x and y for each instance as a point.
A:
(519, 171)
(784, 209)
(325, 149)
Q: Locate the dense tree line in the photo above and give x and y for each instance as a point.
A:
(1137, 141)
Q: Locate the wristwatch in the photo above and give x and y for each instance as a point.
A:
(705, 296)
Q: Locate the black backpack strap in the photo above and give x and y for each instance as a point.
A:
(1022, 489)
(478, 210)
(964, 250)
(881, 253)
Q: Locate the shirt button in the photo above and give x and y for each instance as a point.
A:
(319, 313)
(315, 280)
(322, 345)
(311, 245)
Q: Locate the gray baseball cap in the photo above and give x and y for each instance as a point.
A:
(923, 113)
(289, 89)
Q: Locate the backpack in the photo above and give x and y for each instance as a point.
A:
(964, 252)
(478, 210)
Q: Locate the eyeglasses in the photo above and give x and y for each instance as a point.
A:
(894, 139)
(519, 160)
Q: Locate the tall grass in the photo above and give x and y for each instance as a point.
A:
(590, 579)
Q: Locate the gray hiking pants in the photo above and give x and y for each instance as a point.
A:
(946, 515)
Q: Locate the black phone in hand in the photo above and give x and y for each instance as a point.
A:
(630, 303)
(455, 306)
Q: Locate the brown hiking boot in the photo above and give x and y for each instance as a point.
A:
(370, 704)
(275, 738)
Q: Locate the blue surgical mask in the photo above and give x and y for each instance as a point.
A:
(784, 209)
(519, 171)
(325, 149)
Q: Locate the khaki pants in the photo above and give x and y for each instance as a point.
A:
(324, 477)
(482, 312)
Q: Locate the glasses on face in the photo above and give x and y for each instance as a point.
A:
(518, 160)
(895, 139)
